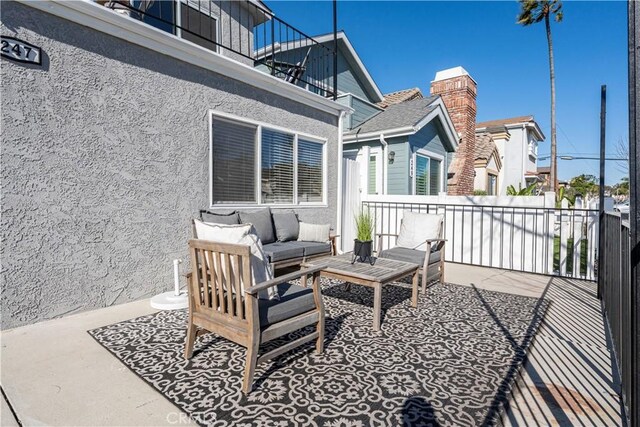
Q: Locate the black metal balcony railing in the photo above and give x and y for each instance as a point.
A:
(248, 34)
(616, 295)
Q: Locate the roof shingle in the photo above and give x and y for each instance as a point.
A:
(400, 96)
(485, 146)
(408, 113)
(504, 122)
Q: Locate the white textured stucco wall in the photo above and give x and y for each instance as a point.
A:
(105, 161)
(480, 180)
(513, 162)
(531, 163)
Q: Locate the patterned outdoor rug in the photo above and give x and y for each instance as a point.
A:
(451, 361)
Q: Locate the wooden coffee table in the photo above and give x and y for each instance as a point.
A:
(375, 276)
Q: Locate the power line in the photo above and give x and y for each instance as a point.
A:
(575, 148)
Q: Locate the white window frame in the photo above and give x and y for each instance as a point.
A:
(258, 163)
(431, 155)
(194, 4)
(491, 173)
(377, 152)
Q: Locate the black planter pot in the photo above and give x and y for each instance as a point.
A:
(362, 251)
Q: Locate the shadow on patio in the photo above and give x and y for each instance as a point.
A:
(451, 361)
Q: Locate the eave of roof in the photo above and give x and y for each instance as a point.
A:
(513, 122)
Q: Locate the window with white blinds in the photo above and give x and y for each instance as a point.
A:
(434, 177)
(422, 175)
(276, 168)
(310, 186)
(233, 178)
(427, 175)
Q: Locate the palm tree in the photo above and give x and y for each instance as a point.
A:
(532, 12)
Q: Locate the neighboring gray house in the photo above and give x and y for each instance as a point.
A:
(405, 149)
(125, 129)
(418, 132)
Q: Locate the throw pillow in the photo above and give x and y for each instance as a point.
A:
(242, 234)
(416, 228)
(261, 220)
(286, 225)
(218, 218)
(314, 232)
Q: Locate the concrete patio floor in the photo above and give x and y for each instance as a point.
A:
(54, 373)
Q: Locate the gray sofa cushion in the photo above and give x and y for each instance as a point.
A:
(280, 251)
(294, 300)
(286, 225)
(314, 248)
(410, 255)
(261, 220)
(220, 218)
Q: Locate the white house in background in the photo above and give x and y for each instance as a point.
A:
(487, 164)
(516, 140)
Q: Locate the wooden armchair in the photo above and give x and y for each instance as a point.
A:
(218, 304)
(431, 258)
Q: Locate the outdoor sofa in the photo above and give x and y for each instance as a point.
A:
(278, 231)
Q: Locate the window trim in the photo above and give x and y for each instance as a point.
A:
(431, 155)
(216, 17)
(258, 164)
(491, 173)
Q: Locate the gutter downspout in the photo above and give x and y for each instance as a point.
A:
(385, 156)
(339, 185)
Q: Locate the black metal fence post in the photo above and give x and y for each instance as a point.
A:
(273, 47)
(603, 120)
(633, 377)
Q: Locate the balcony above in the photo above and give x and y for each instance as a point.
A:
(246, 31)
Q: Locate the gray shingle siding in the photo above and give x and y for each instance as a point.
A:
(430, 138)
(348, 82)
(363, 111)
(398, 171)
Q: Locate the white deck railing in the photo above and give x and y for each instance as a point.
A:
(511, 232)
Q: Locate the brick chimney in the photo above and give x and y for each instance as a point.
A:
(458, 91)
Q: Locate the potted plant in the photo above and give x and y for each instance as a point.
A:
(362, 245)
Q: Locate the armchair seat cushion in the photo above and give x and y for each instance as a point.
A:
(280, 251)
(410, 255)
(313, 248)
(294, 300)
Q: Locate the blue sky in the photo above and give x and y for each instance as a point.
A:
(403, 44)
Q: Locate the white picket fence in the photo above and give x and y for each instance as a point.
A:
(516, 233)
